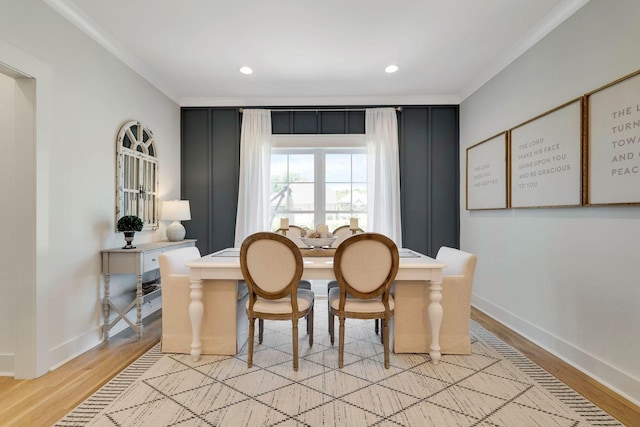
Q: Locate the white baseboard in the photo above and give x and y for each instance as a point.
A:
(66, 352)
(7, 365)
(606, 374)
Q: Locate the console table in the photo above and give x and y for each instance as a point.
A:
(136, 261)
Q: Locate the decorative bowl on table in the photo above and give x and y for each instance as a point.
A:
(318, 242)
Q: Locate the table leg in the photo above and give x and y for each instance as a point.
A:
(139, 302)
(105, 307)
(196, 310)
(435, 318)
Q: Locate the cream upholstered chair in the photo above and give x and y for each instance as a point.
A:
(341, 233)
(457, 281)
(272, 267)
(220, 319)
(294, 232)
(174, 275)
(365, 267)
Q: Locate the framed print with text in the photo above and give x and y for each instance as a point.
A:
(546, 159)
(487, 174)
(613, 143)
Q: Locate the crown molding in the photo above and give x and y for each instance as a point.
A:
(70, 11)
(556, 17)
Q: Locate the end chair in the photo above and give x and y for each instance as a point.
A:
(218, 328)
(457, 282)
(272, 267)
(365, 267)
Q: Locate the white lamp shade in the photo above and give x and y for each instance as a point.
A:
(176, 210)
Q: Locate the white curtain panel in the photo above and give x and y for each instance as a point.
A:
(381, 134)
(255, 161)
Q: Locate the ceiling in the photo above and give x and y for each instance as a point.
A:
(317, 52)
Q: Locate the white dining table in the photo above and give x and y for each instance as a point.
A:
(416, 273)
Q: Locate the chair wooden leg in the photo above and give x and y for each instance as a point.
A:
(331, 326)
(310, 327)
(294, 334)
(381, 329)
(260, 330)
(252, 328)
(341, 344)
(385, 341)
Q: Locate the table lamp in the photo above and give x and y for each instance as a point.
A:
(176, 211)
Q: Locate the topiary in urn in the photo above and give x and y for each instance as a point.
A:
(129, 224)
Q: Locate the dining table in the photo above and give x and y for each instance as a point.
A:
(417, 296)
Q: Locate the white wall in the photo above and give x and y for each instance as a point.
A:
(566, 278)
(90, 94)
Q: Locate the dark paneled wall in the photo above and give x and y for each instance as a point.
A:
(429, 171)
(429, 178)
(210, 168)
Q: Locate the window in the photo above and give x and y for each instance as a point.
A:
(137, 174)
(318, 180)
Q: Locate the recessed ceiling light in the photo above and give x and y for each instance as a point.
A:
(391, 69)
(246, 70)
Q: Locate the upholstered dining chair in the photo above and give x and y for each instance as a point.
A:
(221, 325)
(174, 276)
(365, 266)
(272, 266)
(294, 232)
(457, 282)
(341, 233)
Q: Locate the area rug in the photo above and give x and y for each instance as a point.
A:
(495, 386)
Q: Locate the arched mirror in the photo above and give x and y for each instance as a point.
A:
(137, 174)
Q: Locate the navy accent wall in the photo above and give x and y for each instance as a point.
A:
(429, 171)
(210, 169)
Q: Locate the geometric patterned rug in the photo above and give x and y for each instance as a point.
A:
(494, 386)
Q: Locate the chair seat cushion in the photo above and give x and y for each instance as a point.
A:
(283, 305)
(355, 305)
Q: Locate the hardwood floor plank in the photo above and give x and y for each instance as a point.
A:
(43, 401)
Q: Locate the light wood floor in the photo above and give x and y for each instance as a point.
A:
(43, 401)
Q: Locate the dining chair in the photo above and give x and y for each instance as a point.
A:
(272, 266)
(294, 232)
(457, 281)
(365, 267)
(341, 233)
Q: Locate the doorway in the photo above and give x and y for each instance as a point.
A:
(18, 191)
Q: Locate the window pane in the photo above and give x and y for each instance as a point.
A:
(359, 197)
(278, 167)
(338, 197)
(338, 168)
(301, 168)
(301, 197)
(359, 166)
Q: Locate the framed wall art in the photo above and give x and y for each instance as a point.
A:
(545, 155)
(487, 174)
(613, 143)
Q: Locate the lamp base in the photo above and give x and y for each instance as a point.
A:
(176, 232)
